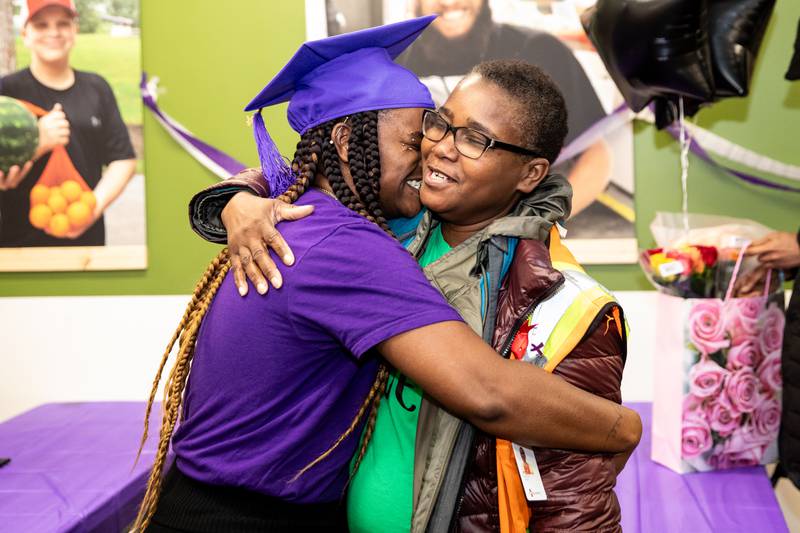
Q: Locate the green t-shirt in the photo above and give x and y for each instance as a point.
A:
(380, 494)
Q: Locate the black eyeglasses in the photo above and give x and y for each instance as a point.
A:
(469, 142)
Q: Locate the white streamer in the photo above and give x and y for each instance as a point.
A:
(172, 127)
(713, 143)
(685, 142)
(735, 153)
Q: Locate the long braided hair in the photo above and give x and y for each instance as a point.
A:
(315, 153)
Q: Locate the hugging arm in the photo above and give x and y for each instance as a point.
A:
(509, 399)
(237, 211)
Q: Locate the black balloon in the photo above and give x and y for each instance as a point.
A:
(663, 50)
(654, 48)
(736, 29)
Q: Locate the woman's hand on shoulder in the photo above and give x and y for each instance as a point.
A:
(250, 222)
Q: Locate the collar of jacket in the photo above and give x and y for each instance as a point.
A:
(531, 276)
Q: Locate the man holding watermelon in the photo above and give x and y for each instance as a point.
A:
(80, 131)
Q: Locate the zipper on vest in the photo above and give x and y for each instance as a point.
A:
(457, 512)
(504, 352)
(506, 346)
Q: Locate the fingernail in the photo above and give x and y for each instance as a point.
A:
(288, 259)
(276, 282)
(262, 288)
(242, 291)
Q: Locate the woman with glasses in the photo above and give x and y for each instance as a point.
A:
(489, 242)
(468, 141)
(486, 157)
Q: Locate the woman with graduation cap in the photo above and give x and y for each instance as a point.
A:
(280, 386)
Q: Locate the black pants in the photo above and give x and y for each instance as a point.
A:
(187, 505)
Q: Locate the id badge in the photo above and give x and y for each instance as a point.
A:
(529, 473)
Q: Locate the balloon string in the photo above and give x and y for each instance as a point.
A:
(685, 143)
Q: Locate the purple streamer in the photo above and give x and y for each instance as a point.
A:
(276, 170)
(700, 152)
(220, 158)
(597, 129)
(590, 135)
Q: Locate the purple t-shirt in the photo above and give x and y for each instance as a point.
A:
(276, 379)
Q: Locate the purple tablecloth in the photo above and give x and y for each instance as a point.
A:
(654, 498)
(72, 469)
(71, 465)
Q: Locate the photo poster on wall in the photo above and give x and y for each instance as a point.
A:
(548, 34)
(81, 206)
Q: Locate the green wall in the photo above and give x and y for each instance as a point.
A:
(211, 59)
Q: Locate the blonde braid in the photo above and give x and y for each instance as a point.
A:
(380, 382)
(311, 150)
(173, 390)
(373, 397)
(365, 169)
(199, 290)
(304, 165)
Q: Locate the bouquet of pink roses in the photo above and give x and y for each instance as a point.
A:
(718, 392)
(731, 406)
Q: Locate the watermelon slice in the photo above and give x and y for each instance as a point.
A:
(19, 133)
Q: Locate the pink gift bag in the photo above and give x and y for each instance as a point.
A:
(717, 401)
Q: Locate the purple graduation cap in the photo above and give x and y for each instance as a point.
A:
(335, 77)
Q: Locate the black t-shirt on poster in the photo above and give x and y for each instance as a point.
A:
(97, 137)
